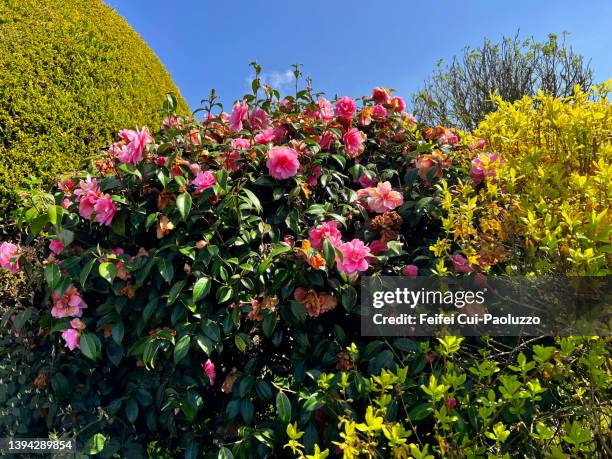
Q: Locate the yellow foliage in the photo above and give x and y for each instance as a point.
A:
(548, 208)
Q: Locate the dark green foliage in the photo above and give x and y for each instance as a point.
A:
(72, 72)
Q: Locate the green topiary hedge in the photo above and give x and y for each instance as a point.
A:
(72, 72)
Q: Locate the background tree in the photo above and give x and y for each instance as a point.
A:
(459, 94)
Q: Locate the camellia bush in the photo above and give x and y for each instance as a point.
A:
(201, 291)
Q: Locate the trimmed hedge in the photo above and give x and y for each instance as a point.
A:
(72, 72)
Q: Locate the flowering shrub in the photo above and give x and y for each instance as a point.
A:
(201, 295)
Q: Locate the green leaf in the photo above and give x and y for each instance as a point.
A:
(246, 410)
(183, 203)
(86, 271)
(420, 412)
(349, 298)
(254, 199)
(278, 249)
(283, 407)
(201, 288)
(52, 275)
(175, 291)
(269, 324)
(224, 294)
(166, 269)
(190, 405)
(52, 212)
(329, 253)
(182, 348)
(117, 332)
(225, 453)
(240, 342)
(90, 345)
(423, 202)
(264, 390)
(108, 271)
(131, 410)
(94, 444)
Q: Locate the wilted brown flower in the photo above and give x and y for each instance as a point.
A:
(165, 199)
(107, 329)
(106, 166)
(387, 224)
(128, 291)
(345, 363)
(315, 303)
(41, 381)
(230, 379)
(164, 226)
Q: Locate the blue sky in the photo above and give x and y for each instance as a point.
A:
(347, 47)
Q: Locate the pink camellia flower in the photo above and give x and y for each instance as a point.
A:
(410, 271)
(239, 113)
(461, 264)
(86, 187)
(327, 230)
(378, 246)
(282, 162)
(77, 324)
(71, 336)
(195, 168)
(209, 369)
(271, 134)
(204, 181)
(366, 181)
(326, 140)
(259, 119)
(286, 103)
(485, 165)
(325, 109)
(380, 95)
(87, 205)
(346, 108)
(314, 175)
(56, 246)
(66, 186)
(9, 251)
(224, 117)
(354, 254)
(379, 112)
(383, 197)
(171, 122)
(70, 304)
(398, 104)
(136, 144)
(105, 210)
(241, 143)
(230, 160)
(353, 142)
(448, 138)
(66, 203)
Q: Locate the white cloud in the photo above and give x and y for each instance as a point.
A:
(276, 80)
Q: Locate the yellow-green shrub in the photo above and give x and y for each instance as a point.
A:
(72, 72)
(549, 206)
